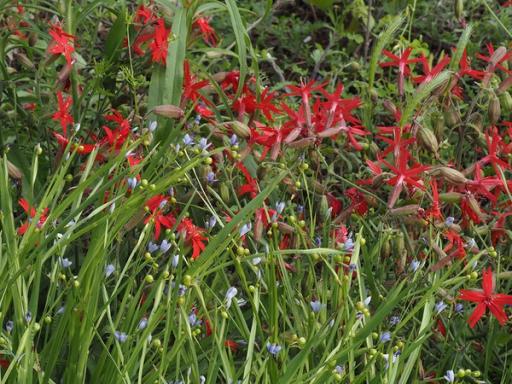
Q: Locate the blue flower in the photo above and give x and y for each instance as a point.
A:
(152, 247)
(450, 376)
(203, 143)
(245, 229)
(152, 126)
(188, 140)
(109, 269)
(175, 260)
(385, 337)
(394, 320)
(165, 246)
(211, 222)
(440, 307)
(233, 140)
(449, 221)
(230, 294)
(132, 183)
(65, 263)
(120, 336)
(316, 306)
(280, 207)
(273, 349)
(339, 369)
(28, 316)
(143, 323)
(415, 264)
(349, 244)
(210, 177)
(459, 308)
(193, 320)
(9, 326)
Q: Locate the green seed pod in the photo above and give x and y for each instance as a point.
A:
(324, 208)
(224, 193)
(451, 116)
(506, 102)
(427, 139)
(437, 121)
(494, 110)
(459, 9)
(450, 197)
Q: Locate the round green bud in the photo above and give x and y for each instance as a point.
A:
(149, 279)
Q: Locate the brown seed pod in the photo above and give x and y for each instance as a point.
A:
(169, 111)
(449, 174)
(494, 110)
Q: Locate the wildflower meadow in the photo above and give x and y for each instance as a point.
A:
(239, 191)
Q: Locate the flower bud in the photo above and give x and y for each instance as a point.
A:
(437, 121)
(224, 193)
(449, 174)
(411, 209)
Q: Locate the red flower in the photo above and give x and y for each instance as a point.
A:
(251, 185)
(208, 33)
(404, 176)
(231, 344)
(160, 44)
(31, 212)
(156, 205)
(62, 43)
(116, 137)
(486, 298)
(143, 15)
(62, 113)
(430, 73)
(402, 63)
(194, 236)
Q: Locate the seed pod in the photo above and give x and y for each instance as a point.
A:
(390, 106)
(302, 143)
(427, 139)
(385, 251)
(169, 111)
(325, 211)
(24, 60)
(13, 171)
(459, 9)
(437, 121)
(494, 111)
(406, 210)
(224, 193)
(450, 175)
(451, 116)
(506, 102)
(284, 228)
(475, 207)
(450, 197)
(240, 129)
(505, 84)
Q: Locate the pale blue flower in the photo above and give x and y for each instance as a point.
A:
(449, 221)
(143, 323)
(230, 294)
(440, 307)
(273, 349)
(9, 326)
(203, 143)
(165, 246)
(65, 263)
(120, 336)
(233, 140)
(385, 337)
(316, 306)
(415, 264)
(246, 228)
(152, 247)
(450, 376)
(132, 182)
(109, 269)
(175, 260)
(188, 140)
